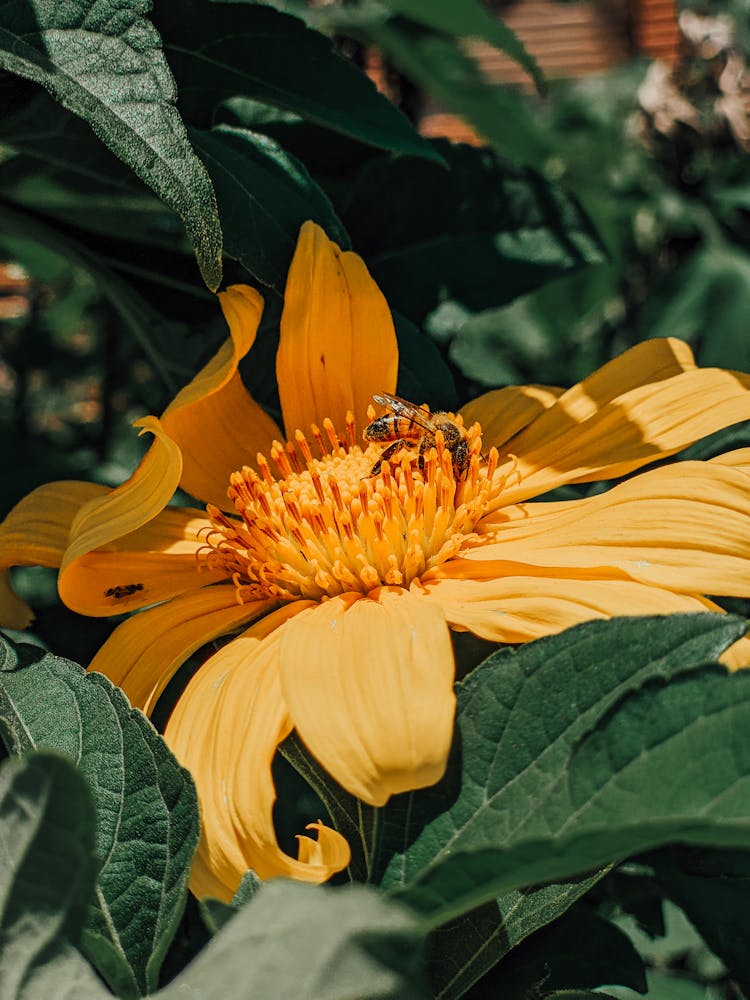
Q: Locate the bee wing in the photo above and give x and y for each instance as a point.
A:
(404, 408)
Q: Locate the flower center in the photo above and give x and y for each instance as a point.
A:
(329, 524)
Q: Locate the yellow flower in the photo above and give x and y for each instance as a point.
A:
(340, 587)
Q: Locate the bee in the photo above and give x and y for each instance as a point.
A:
(409, 426)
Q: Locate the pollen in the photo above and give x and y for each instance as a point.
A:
(314, 521)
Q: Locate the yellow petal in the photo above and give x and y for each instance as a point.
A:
(685, 527)
(369, 685)
(152, 564)
(101, 584)
(646, 363)
(225, 728)
(504, 412)
(519, 608)
(214, 420)
(640, 426)
(145, 651)
(35, 533)
(139, 499)
(338, 344)
(738, 459)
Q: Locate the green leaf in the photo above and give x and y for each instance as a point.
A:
(104, 63)
(541, 754)
(294, 940)
(469, 20)
(438, 64)
(47, 872)
(221, 51)
(581, 949)
(264, 196)
(482, 233)
(146, 807)
(462, 951)
(701, 882)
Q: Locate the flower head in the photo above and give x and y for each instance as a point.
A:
(339, 565)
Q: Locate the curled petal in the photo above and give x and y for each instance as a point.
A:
(338, 344)
(369, 685)
(225, 728)
(35, 533)
(139, 499)
(146, 650)
(216, 424)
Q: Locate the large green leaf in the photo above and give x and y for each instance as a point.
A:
(483, 232)
(296, 940)
(469, 19)
(47, 873)
(219, 51)
(541, 755)
(264, 196)
(103, 61)
(146, 807)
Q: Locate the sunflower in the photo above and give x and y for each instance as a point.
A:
(340, 585)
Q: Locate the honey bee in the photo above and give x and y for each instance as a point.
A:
(409, 426)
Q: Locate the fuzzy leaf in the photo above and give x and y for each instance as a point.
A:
(296, 940)
(553, 742)
(146, 808)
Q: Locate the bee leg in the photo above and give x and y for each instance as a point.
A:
(390, 450)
